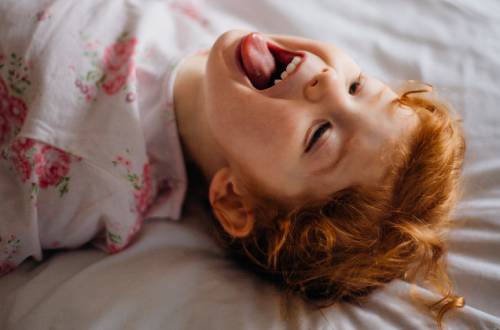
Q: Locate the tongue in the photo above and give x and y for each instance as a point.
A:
(258, 62)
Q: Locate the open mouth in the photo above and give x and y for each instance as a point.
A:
(264, 63)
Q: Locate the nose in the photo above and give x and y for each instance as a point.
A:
(316, 89)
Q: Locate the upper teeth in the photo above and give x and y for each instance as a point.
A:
(289, 69)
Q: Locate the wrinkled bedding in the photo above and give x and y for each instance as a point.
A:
(175, 277)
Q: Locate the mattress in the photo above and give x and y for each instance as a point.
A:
(175, 277)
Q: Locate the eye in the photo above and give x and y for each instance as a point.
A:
(317, 135)
(356, 85)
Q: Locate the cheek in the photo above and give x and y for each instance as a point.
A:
(262, 142)
(263, 149)
(256, 128)
(373, 153)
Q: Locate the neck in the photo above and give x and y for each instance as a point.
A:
(198, 144)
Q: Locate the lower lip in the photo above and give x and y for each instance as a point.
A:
(239, 63)
(238, 57)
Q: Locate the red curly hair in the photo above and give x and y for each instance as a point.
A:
(358, 239)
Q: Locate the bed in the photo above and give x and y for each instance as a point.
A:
(175, 276)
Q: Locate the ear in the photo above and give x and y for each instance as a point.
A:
(231, 208)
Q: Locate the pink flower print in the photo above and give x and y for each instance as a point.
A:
(89, 91)
(20, 159)
(17, 110)
(119, 54)
(114, 241)
(91, 46)
(23, 167)
(4, 92)
(17, 74)
(4, 129)
(13, 111)
(10, 249)
(4, 97)
(118, 64)
(6, 267)
(191, 11)
(21, 146)
(123, 161)
(143, 195)
(51, 165)
(113, 86)
(116, 80)
(113, 248)
(130, 97)
(4, 104)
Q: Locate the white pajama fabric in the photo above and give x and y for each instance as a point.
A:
(88, 136)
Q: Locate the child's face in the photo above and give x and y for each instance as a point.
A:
(264, 131)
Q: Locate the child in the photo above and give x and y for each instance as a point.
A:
(322, 177)
(327, 182)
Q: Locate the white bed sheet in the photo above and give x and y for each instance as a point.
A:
(175, 277)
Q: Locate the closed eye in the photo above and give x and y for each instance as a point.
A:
(317, 135)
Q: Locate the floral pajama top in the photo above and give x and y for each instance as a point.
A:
(88, 140)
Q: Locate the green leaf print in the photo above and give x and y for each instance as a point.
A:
(62, 186)
(94, 76)
(115, 238)
(34, 190)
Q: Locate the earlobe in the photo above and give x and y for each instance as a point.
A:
(233, 210)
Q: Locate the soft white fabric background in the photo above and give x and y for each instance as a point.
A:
(174, 277)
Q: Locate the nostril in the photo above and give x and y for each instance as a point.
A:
(314, 82)
(324, 70)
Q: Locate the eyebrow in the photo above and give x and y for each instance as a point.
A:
(330, 167)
